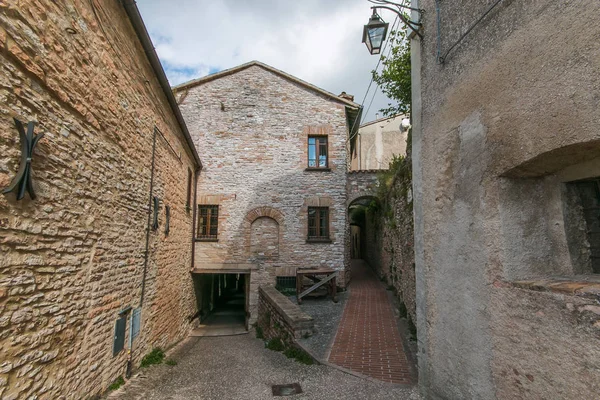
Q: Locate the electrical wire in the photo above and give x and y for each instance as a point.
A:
(443, 58)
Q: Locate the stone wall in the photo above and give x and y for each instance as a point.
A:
(507, 119)
(278, 317)
(361, 184)
(252, 127)
(555, 323)
(74, 257)
(389, 235)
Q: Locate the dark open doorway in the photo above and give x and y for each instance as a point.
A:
(222, 303)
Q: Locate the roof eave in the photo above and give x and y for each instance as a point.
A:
(140, 29)
(230, 71)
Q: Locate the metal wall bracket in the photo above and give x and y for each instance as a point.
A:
(167, 219)
(156, 203)
(22, 181)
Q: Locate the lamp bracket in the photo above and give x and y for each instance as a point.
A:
(413, 25)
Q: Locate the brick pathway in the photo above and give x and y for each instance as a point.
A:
(368, 340)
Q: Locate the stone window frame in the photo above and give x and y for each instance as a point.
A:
(319, 238)
(208, 237)
(548, 175)
(317, 168)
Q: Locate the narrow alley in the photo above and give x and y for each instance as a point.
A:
(368, 340)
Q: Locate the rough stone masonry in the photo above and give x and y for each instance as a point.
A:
(71, 260)
(252, 124)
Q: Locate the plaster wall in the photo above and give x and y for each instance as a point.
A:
(511, 110)
(74, 257)
(378, 142)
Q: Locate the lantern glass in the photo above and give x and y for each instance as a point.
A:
(376, 38)
(374, 33)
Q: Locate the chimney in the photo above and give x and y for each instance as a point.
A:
(346, 96)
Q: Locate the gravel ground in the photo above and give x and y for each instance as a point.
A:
(327, 316)
(239, 367)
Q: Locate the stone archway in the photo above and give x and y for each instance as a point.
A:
(361, 198)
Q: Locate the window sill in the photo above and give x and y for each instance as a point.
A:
(318, 240)
(311, 169)
(578, 285)
(206, 240)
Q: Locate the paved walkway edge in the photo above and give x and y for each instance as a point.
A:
(350, 372)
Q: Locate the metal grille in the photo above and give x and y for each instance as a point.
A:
(286, 390)
(286, 282)
(135, 322)
(589, 193)
(208, 222)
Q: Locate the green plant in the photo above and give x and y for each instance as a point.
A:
(299, 355)
(402, 310)
(275, 344)
(394, 79)
(117, 383)
(412, 329)
(259, 333)
(156, 356)
(171, 362)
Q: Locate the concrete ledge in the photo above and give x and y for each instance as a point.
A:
(300, 324)
(578, 285)
(203, 268)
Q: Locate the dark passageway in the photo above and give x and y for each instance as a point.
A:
(222, 301)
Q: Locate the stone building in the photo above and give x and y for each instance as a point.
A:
(378, 142)
(506, 140)
(78, 263)
(272, 195)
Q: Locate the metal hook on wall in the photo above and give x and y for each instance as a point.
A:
(22, 180)
(156, 202)
(167, 220)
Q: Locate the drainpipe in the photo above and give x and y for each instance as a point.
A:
(194, 208)
(146, 253)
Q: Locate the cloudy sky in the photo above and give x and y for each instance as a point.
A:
(318, 41)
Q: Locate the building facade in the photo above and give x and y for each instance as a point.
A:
(94, 246)
(506, 140)
(272, 195)
(378, 142)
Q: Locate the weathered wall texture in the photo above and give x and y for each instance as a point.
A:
(252, 128)
(506, 118)
(378, 142)
(389, 233)
(74, 257)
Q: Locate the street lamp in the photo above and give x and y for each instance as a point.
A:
(375, 31)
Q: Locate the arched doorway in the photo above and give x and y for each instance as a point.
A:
(360, 209)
